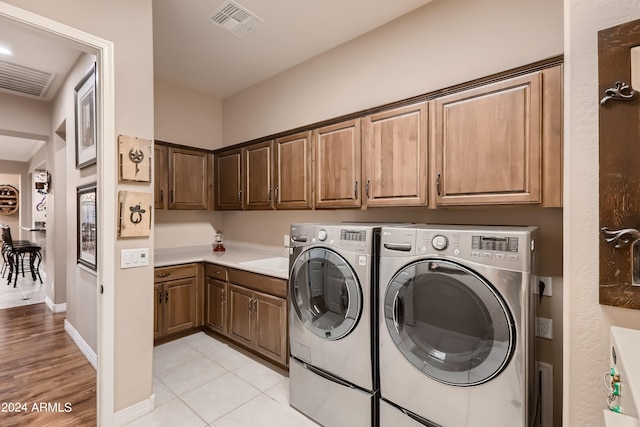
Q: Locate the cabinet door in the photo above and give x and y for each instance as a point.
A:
(337, 151)
(158, 296)
(394, 153)
(293, 175)
(228, 194)
(240, 308)
(258, 160)
(488, 144)
(270, 337)
(216, 305)
(188, 179)
(160, 176)
(179, 305)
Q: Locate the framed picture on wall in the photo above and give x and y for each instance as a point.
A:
(85, 117)
(87, 226)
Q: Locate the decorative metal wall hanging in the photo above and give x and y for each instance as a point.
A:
(134, 159)
(620, 92)
(135, 214)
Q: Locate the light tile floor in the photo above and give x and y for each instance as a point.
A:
(200, 381)
(26, 291)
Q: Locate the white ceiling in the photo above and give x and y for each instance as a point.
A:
(193, 53)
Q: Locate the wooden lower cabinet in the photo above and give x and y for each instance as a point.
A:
(259, 321)
(175, 306)
(249, 309)
(175, 300)
(216, 305)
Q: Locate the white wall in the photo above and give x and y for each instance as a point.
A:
(187, 118)
(586, 346)
(193, 119)
(445, 42)
(128, 24)
(24, 117)
(71, 283)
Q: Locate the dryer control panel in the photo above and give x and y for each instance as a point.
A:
(505, 247)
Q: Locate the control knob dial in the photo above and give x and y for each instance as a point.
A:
(439, 242)
(322, 235)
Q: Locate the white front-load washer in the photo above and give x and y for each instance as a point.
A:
(457, 342)
(332, 323)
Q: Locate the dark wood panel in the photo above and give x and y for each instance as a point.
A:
(188, 171)
(228, 180)
(619, 172)
(216, 305)
(258, 160)
(294, 172)
(179, 305)
(258, 282)
(162, 274)
(240, 319)
(271, 327)
(40, 363)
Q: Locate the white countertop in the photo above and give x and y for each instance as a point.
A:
(233, 256)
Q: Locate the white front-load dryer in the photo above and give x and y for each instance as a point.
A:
(456, 326)
(332, 319)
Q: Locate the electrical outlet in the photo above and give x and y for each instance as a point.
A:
(544, 328)
(548, 285)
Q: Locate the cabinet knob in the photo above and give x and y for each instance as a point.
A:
(163, 275)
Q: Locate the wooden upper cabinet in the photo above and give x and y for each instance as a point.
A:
(228, 180)
(488, 144)
(293, 173)
(188, 179)
(337, 156)
(394, 157)
(160, 177)
(258, 177)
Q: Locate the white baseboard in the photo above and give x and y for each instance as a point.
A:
(55, 308)
(134, 412)
(86, 350)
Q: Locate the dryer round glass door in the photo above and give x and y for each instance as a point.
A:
(449, 322)
(325, 292)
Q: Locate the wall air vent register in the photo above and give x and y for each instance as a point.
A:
(235, 18)
(17, 78)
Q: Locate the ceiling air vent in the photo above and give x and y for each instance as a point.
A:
(236, 19)
(24, 80)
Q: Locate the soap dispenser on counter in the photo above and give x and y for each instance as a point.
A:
(218, 247)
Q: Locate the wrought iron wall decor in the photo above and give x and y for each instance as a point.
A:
(134, 159)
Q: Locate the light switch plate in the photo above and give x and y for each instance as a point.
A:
(130, 258)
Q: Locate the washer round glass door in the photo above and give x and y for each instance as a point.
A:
(325, 292)
(449, 322)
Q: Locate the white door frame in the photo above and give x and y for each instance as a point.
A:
(103, 49)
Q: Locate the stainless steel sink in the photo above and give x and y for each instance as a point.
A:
(280, 264)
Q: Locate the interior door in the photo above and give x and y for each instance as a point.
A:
(325, 292)
(449, 322)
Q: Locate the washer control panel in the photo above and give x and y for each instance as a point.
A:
(322, 234)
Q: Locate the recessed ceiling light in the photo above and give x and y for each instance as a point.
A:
(5, 51)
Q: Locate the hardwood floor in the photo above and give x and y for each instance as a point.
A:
(44, 378)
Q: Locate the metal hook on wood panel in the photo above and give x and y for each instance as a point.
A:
(620, 237)
(621, 92)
